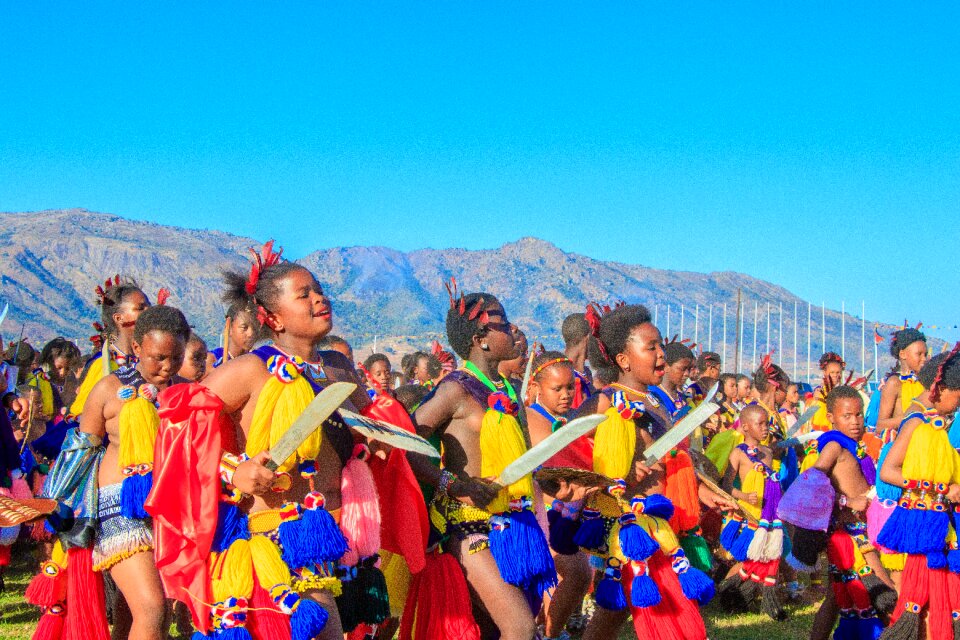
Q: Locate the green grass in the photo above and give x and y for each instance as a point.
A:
(18, 619)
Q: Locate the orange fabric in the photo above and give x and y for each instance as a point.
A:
(681, 489)
(186, 493)
(873, 444)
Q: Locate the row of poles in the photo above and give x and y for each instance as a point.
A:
(741, 321)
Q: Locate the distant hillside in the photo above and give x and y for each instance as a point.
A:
(50, 262)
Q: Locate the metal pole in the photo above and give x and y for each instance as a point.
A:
(682, 317)
(767, 350)
(756, 318)
(843, 330)
(863, 335)
(725, 363)
(823, 327)
(710, 328)
(738, 336)
(668, 322)
(656, 322)
(809, 317)
(876, 365)
(696, 325)
(796, 356)
(780, 333)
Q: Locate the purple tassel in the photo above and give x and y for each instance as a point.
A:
(809, 501)
(562, 530)
(869, 470)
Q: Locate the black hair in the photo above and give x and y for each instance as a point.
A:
(707, 358)
(25, 356)
(238, 307)
(676, 351)
(829, 357)
(434, 367)
(903, 339)
(548, 356)
(409, 362)
(375, 358)
(574, 328)
(615, 329)
(841, 392)
(411, 395)
(195, 337)
(950, 379)
(60, 347)
(114, 296)
(267, 290)
(162, 318)
(461, 329)
(330, 341)
(761, 381)
(727, 376)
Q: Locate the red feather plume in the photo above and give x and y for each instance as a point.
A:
(267, 257)
(162, 296)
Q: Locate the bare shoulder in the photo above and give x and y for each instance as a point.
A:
(235, 380)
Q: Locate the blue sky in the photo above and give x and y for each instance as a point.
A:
(816, 146)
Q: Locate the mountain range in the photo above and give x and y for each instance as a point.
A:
(51, 261)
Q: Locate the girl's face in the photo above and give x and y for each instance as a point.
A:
(948, 402)
(832, 372)
(779, 396)
(914, 356)
(129, 310)
(301, 309)
(743, 389)
(420, 372)
(380, 373)
(61, 367)
(554, 388)
(499, 337)
(243, 333)
(160, 355)
(793, 394)
(194, 361)
(678, 372)
(730, 389)
(642, 356)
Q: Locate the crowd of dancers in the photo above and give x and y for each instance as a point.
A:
(154, 464)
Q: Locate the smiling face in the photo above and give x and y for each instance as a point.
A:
(301, 309)
(832, 372)
(643, 355)
(554, 388)
(847, 417)
(161, 356)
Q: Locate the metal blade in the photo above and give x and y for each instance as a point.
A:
(388, 434)
(683, 429)
(526, 375)
(3, 314)
(105, 357)
(804, 418)
(548, 447)
(309, 421)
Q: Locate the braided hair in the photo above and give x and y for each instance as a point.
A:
(610, 338)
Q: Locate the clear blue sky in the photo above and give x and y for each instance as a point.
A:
(676, 135)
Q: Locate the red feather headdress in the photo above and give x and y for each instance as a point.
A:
(459, 304)
(265, 258)
(445, 357)
(594, 314)
(938, 380)
(101, 290)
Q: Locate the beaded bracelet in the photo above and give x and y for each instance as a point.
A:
(446, 481)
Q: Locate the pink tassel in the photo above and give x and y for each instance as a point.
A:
(20, 490)
(360, 514)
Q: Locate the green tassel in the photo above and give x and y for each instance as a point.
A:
(698, 552)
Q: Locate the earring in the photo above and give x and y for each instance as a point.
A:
(483, 345)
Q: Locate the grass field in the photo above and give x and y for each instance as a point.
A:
(18, 619)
